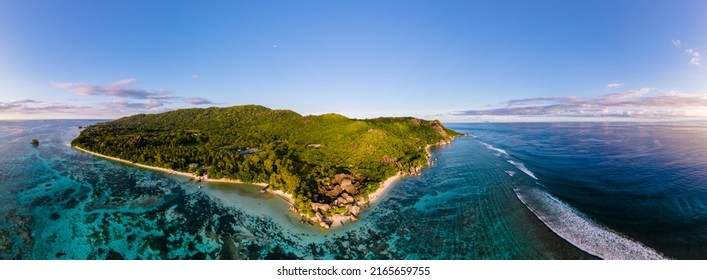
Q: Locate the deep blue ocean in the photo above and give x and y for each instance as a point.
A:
(507, 191)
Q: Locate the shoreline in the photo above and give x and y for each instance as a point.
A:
(337, 220)
(385, 186)
(390, 181)
(282, 195)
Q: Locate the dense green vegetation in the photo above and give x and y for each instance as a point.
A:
(296, 154)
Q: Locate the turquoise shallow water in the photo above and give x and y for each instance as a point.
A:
(504, 193)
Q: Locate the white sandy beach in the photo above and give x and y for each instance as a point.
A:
(384, 187)
(337, 220)
(390, 181)
(285, 196)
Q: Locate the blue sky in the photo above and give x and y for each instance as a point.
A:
(449, 60)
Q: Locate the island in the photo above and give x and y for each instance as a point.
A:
(327, 167)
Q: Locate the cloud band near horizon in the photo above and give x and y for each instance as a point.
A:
(126, 99)
(639, 103)
(122, 88)
(30, 106)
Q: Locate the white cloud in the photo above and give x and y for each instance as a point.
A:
(149, 104)
(614, 85)
(122, 88)
(695, 60)
(541, 101)
(198, 101)
(127, 100)
(615, 98)
(29, 106)
(638, 103)
(132, 99)
(122, 83)
(694, 55)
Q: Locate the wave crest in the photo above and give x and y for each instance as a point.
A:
(491, 147)
(580, 230)
(522, 167)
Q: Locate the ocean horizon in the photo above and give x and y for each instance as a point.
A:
(570, 190)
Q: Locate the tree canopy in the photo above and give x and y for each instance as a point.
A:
(300, 155)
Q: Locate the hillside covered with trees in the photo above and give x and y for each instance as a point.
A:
(329, 163)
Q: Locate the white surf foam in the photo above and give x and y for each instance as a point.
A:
(580, 230)
(491, 147)
(522, 167)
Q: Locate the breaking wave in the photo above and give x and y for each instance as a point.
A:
(580, 230)
(522, 167)
(491, 147)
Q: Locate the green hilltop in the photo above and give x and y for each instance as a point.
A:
(329, 163)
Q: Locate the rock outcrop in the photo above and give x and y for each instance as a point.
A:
(348, 198)
(317, 207)
(342, 190)
(353, 210)
(338, 186)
